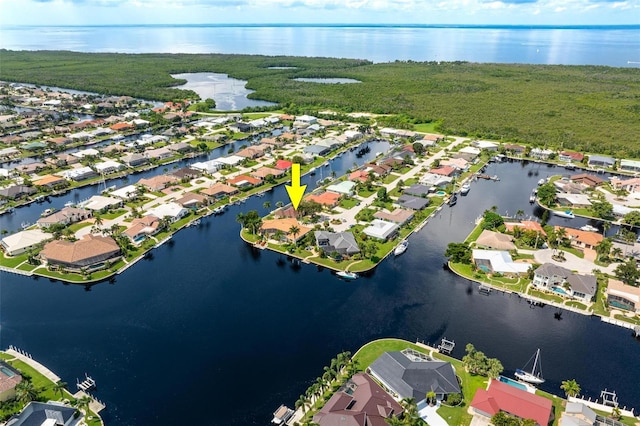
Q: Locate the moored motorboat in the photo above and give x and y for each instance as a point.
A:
(589, 228)
(541, 182)
(564, 213)
(401, 248)
(464, 189)
(347, 275)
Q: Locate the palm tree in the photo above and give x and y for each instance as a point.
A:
(98, 219)
(431, 397)
(294, 230)
(83, 403)
(605, 227)
(26, 392)
(519, 214)
(570, 387)
(266, 205)
(279, 204)
(60, 388)
(616, 252)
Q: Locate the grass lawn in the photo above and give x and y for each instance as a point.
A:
(426, 127)
(348, 203)
(573, 251)
(113, 215)
(578, 305)
(5, 356)
(600, 307)
(239, 135)
(474, 234)
(634, 320)
(14, 261)
(390, 178)
(364, 193)
(545, 296)
(79, 225)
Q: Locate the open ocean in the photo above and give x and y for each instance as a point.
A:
(617, 46)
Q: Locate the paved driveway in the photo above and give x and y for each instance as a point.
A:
(429, 415)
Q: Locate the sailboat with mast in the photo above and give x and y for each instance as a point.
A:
(535, 375)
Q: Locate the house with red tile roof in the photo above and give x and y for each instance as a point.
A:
(444, 171)
(328, 198)
(283, 165)
(359, 175)
(158, 183)
(219, 190)
(141, 228)
(571, 156)
(582, 239)
(244, 180)
(251, 152)
(503, 397)
(271, 226)
(49, 180)
(118, 127)
(528, 225)
(89, 252)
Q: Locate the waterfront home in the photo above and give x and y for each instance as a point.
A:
(574, 200)
(141, 228)
(563, 281)
(9, 379)
(121, 127)
(89, 152)
(359, 175)
(328, 199)
(360, 402)
(498, 261)
(134, 159)
(51, 413)
(191, 200)
(108, 166)
(305, 119)
(623, 296)
(630, 165)
(587, 179)
(316, 150)
(582, 239)
(512, 400)
(251, 152)
(435, 181)
(578, 414)
(528, 225)
(383, 168)
(50, 181)
(345, 187)
(541, 154)
(219, 190)
(381, 229)
(488, 145)
(567, 187)
(283, 165)
(31, 167)
(514, 148)
(629, 185)
(264, 172)
(23, 241)
(92, 251)
(14, 192)
(271, 227)
(66, 216)
(228, 161)
(417, 190)
(398, 216)
(432, 137)
(414, 376)
(458, 163)
(113, 150)
(411, 202)
(601, 161)
(210, 166)
(569, 156)
(158, 153)
(243, 181)
(343, 243)
(62, 160)
(79, 173)
(495, 240)
(185, 173)
(158, 183)
(399, 133)
(101, 203)
(8, 153)
(447, 171)
(127, 193)
(172, 211)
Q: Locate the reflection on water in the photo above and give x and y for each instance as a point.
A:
(229, 93)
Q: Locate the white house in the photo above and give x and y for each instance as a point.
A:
(126, 193)
(173, 211)
(86, 153)
(381, 229)
(490, 146)
(108, 166)
(306, 119)
(345, 187)
(23, 241)
(498, 261)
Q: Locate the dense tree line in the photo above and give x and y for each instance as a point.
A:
(588, 108)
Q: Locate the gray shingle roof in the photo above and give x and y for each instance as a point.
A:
(550, 270)
(412, 379)
(413, 203)
(585, 284)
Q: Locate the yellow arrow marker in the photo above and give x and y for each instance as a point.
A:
(295, 191)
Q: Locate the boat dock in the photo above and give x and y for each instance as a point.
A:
(446, 346)
(87, 384)
(282, 415)
(484, 289)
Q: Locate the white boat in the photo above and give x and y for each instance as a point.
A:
(532, 198)
(541, 182)
(565, 213)
(69, 204)
(464, 189)
(347, 275)
(401, 248)
(535, 375)
(47, 212)
(589, 228)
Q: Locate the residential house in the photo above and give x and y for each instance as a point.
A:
(458, 163)
(512, 400)
(399, 133)
(345, 187)
(578, 414)
(528, 225)
(306, 119)
(173, 211)
(185, 173)
(623, 296)
(141, 228)
(108, 166)
(381, 229)
(79, 173)
(192, 200)
(122, 127)
(434, 181)
(629, 185)
(92, 251)
(101, 203)
(50, 181)
(630, 165)
(431, 137)
(51, 413)
(328, 198)
(9, 153)
(66, 216)
(514, 148)
(359, 175)
(270, 227)
(601, 161)
(283, 165)
(158, 153)
(541, 154)
(417, 190)
(263, 172)
(444, 171)
(89, 152)
(316, 150)
(571, 156)
(413, 377)
(398, 216)
(343, 243)
(495, 240)
(14, 192)
(498, 261)
(240, 127)
(158, 183)
(553, 277)
(361, 401)
(134, 159)
(31, 167)
(411, 202)
(574, 200)
(488, 145)
(251, 152)
(127, 193)
(587, 179)
(219, 190)
(243, 181)
(23, 241)
(9, 379)
(582, 239)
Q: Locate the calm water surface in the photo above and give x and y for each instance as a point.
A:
(614, 46)
(210, 322)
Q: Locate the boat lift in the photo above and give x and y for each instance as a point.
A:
(446, 346)
(609, 398)
(87, 384)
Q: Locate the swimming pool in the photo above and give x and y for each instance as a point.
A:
(513, 383)
(7, 372)
(560, 290)
(441, 193)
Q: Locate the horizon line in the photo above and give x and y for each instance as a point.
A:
(337, 25)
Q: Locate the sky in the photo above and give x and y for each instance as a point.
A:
(473, 12)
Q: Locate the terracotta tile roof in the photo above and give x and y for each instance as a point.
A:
(158, 182)
(148, 225)
(525, 224)
(283, 164)
(49, 180)
(443, 171)
(219, 188)
(587, 179)
(121, 126)
(244, 178)
(586, 237)
(327, 198)
(285, 225)
(79, 252)
(263, 172)
(359, 175)
(503, 397)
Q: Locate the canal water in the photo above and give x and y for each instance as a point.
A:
(209, 331)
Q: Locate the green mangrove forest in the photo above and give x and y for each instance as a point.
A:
(587, 108)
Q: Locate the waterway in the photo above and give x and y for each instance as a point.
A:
(210, 331)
